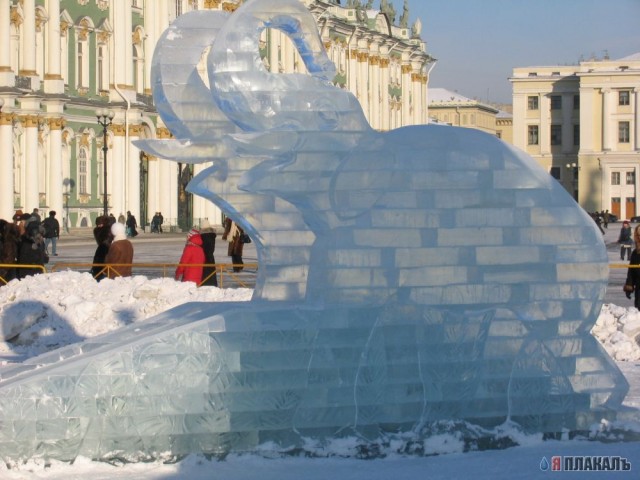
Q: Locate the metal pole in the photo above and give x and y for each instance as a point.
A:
(104, 119)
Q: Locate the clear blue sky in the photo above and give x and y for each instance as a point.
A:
(479, 42)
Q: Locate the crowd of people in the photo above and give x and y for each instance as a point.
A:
(28, 242)
(25, 241)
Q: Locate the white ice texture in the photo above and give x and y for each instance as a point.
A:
(423, 274)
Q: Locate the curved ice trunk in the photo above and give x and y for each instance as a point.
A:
(449, 277)
(257, 100)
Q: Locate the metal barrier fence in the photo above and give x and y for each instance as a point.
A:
(227, 277)
(13, 266)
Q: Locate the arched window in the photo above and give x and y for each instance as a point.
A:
(82, 170)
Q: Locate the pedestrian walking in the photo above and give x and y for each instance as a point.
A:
(625, 240)
(51, 233)
(234, 235)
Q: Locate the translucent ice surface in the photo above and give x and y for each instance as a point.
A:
(427, 273)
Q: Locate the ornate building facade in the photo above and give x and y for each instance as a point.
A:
(582, 124)
(63, 60)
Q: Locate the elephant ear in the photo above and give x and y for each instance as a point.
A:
(181, 97)
(257, 100)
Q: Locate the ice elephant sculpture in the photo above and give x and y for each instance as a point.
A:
(406, 277)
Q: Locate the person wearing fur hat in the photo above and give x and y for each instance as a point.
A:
(102, 235)
(190, 267)
(120, 254)
(31, 250)
(208, 245)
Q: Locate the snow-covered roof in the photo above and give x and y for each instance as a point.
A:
(634, 57)
(442, 95)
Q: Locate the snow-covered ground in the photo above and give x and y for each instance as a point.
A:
(52, 310)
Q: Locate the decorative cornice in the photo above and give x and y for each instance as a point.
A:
(135, 130)
(6, 118)
(56, 123)
(29, 121)
(212, 4)
(374, 60)
(230, 7)
(406, 68)
(103, 36)
(384, 63)
(163, 132)
(363, 56)
(117, 129)
(103, 4)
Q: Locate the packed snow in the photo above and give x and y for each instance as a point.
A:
(48, 311)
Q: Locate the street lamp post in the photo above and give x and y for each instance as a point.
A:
(105, 118)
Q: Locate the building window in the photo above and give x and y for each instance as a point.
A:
(178, 8)
(623, 97)
(576, 102)
(556, 134)
(82, 171)
(576, 135)
(532, 102)
(623, 132)
(631, 177)
(555, 172)
(533, 135)
(615, 178)
(556, 102)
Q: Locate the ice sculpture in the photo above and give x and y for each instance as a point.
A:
(406, 277)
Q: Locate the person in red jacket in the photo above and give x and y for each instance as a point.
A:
(190, 268)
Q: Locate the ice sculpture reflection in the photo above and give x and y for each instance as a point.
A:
(406, 277)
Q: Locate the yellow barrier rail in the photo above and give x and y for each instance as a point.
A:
(12, 266)
(223, 270)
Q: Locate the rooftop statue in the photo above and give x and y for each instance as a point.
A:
(406, 277)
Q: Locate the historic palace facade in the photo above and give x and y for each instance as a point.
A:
(61, 61)
(582, 124)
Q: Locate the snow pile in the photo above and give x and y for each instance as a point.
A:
(618, 329)
(48, 311)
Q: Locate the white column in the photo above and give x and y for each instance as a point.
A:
(384, 94)
(374, 93)
(416, 97)
(32, 192)
(153, 191)
(53, 82)
(54, 182)
(6, 166)
(7, 76)
(606, 119)
(29, 39)
(587, 135)
(352, 69)
(636, 118)
(133, 174)
(115, 171)
(363, 84)
(150, 23)
(545, 124)
(406, 94)
(120, 16)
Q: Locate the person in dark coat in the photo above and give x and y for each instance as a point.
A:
(132, 224)
(208, 235)
(625, 240)
(51, 233)
(103, 237)
(9, 243)
(31, 250)
(233, 234)
(190, 267)
(632, 284)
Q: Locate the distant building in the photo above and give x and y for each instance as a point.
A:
(446, 106)
(61, 60)
(582, 124)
